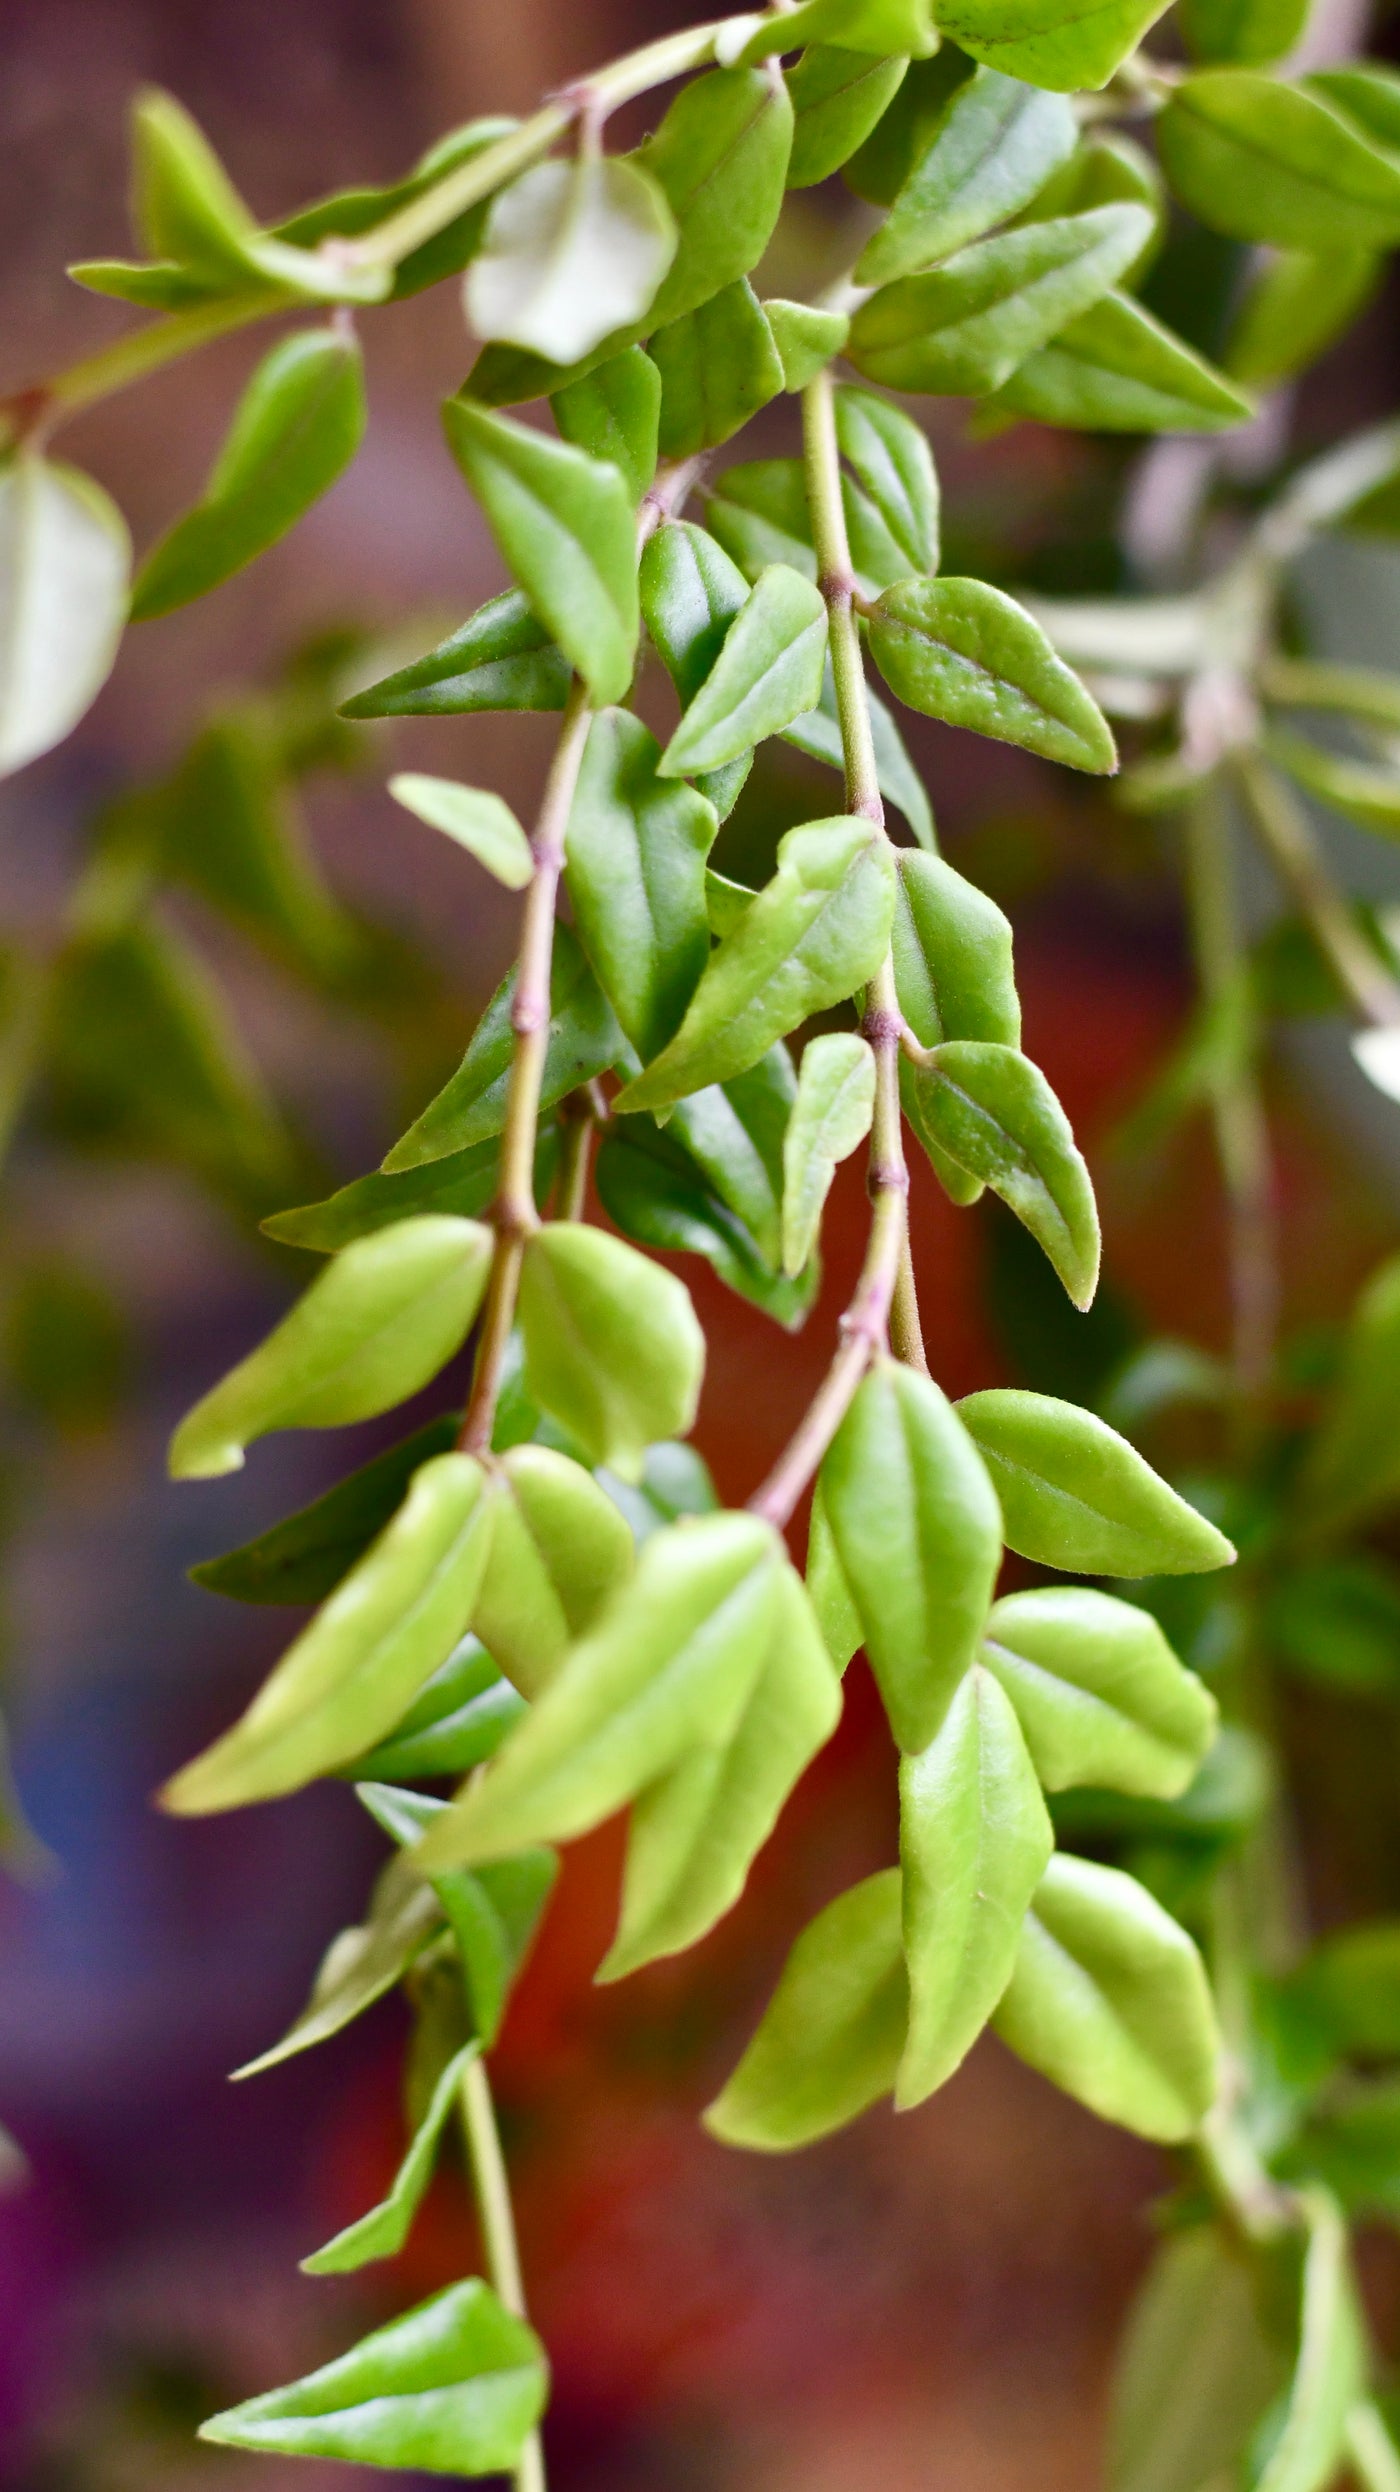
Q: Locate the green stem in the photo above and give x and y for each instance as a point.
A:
(1371, 2450)
(492, 2187)
(131, 358)
(1287, 838)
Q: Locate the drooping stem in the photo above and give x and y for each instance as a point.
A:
(492, 2189)
(35, 412)
(1287, 838)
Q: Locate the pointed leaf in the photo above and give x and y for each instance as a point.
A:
(493, 1912)
(1265, 162)
(612, 1345)
(832, 2033)
(64, 561)
(614, 413)
(1330, 2374)
(479, 821)
(767, 673)
(1356, 789)
(1118, 370)
(635, 865)
(992, 1114)
(866, 25)
(691, 592)
(232, 831)
(953, 966)
(831, 1117)
(361, 1963)
(574, 249)
(890, 454)
(718, 366)
(806, 339)
(383, 2231)
(1077, 1496)
(838, 97)
(1298, 302)
(657, 1192)
(1036, 40)
(559, 1549)
(735, 1133)
(502, 658)
(721, 156)
(306, 1555)
(1101, 1696)
(964, 651)
(818, 734)
(996, 146)
(464, 1182)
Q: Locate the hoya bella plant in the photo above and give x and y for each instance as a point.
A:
(531, 1614)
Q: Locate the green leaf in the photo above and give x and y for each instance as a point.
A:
(827, 1588)
(352, 1673)
(1107, 167)
(890, 455)
(361, 1963)
(502, 658)
(614, 413)
(694, 1834)
(1357, 789)
(1079, 1497)
(721, 157)
(833, 2032)
(65, 556)
(353, 212)
(1117, 370)
(953, 966)
(974, 1841)
(479, 821)
(231, 830)
(1337, 1622)
(565, 527)
(660, 1194)
(914, 1520)
(1252, 33)
(1349, 1989)
(1296, 305)
(297, 426)
(613, 1349)
(719, 364)
(187, 210)
(865, 25)
(964, 651)
(458, 1720)
(691, 592)
(464, 1182)
(831, 1117)
(493, 1912)
(1035, 40)
(992, 1113)
(1363, 692)
(154, 285)
(1330, 2373)
(574, 249)
(1110, 2001)
(818, 734)
(306, 1555)
(583, 1040)
(888, 157)
(963, 328)
(735, 1132)
(806, 339)
(636, 849)
(454, 2387)
(1353, 1465)
(814, 934)
(1101, 1696)
(996, 146)
(559, 1549)
(372, 1329)
(768, 672)
(1196, 2319)
(667, 1670)
(838, 97)
(1264, 162)
(384, 2230)
(759, 513)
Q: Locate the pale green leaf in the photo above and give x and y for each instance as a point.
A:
(559, 1550)
(838, 97)
(1101, 1696)
(1265, 162)
(891, 457)
(65, 557)
(833, 2032)
(1353, 1465)
(996, 146)
(831, 1116)
(1118, 370)
(613, 1349)
(1196, 2318)
(992, 1114)
(806, 338)
(479, 821)
(636, 848)
(1077, 1496)
(574, 249)
(1038, 41)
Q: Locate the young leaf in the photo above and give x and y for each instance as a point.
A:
(838, 97)
(718, 366)
(1354, 1463)
(890, 454)
(831, 1116)
(1296, 305)
(356, 1668)
(1117, 370)
(974, 1841)
(1265, 162)
(694, 1834)
(565, 527)
(1101, 1696)
(559, 1549)
(502, 658)
(964, 651)
(996, 146)
(721, 157)
(188, 211)
(806, 339)
(668, 1669)
(833, 2032)
(306, 1555)
(1354, 788)
(1110, 2001)
(1330, 2373)
(583, 1040)
(953, 966)
(965, 327)
(454, 2387)
(612, 1345)
(691, 593)
(636, 850)
(372, 1329)
(914, 1520)
(464, 1183)
(479, 821)
(574, 249)
(458, 1720)
(361, 1963)
(1036, 40)
(992, 1114)
(767, 673)
(65, 557)
(614, 413)
(1195, 2318)
(1077, 1496)
(383, 2231)
(805, 942)
(296, 428)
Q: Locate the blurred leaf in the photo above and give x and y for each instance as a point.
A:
(838, 97)
(1338, 1623)
(67, 1347)
(1118, 370)
(573, 249)
(458, 1720)
(1099, 1693)
(1296, 305)
(1265, 162)
(1195, 2318)
(65, 556)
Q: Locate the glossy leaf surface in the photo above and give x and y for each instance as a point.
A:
(891, 458)
(833, 2032)
(478, 819)
(559, 1549)
(1100, 1695)
(573, 250)
(1076, 1495)
(992, 1113)
(966, 652)
(1035, 40)
(502, 658)
(691, 591)
(612, 1345)
(831, 1117)
(995, 148)
(635, 865)
(767, 673)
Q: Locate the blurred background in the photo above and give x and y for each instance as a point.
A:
(929, 2306)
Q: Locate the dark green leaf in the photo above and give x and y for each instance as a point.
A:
(1250, 32)
(613, 413)
(964, 651)
(574, 249)
(231, 830)
(636, 850)
(613, 1349)
(460, 1718)
(464, 1183)
(890, 455)
(306, 1555)
(1101, 1696)
(838, 96)
(768, 672)
(833, 2032)
(718, 364)
(658, 1194)
(888, 157)
(818, 734)
(65, 556)
(996, 146)
(501, 659)
(1337, 1622)
(493, 1912)
(1265, 162)
(1076, 1496)
(1117, 370)
(992, 1113)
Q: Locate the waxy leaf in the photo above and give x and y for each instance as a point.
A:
(613, 413)
(1196, 2318)
(454, 2387)
(372, 1329)
(995, 148)
(383, 2231)
(814, 934)
(502, 658)
(1101, 1696)
(564, 524)
(694, 1834)
(65, 557)
(574, 249)
(735, 1131)
(833, 2032)
(965, 327)
(583, 1040)
(613, 1349)
(1077, 1496)
(721, 156)
(493, 1912)
(1038, 41)
(827, 1588)
(838, 96)
(353, 1672)
(691, 592)
(914, 1519)
(475, 817)
(718, 366)
(831, 1116)
(952, 957)
(464, 1182)
(1298, 302)
(991, 1113)
(1117, 370)
(1265, 162)
(974, 1840)
(458, 1720)
(806, 339)
(1330, 2373)
(306, 1555)
(668, 1669)
(1354, 1462)
(866, 25)
(760, 514)
(636, 849)
(559, 1549)
(964, 651)
(768, 672)
(891, 457)
(296, 428)
(1109, 1999)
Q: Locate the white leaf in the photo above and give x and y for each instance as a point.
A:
(1378, 1054)
(573, 250)
(65, 565)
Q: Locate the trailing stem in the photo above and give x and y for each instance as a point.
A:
(1287, 838)
(492, 2188)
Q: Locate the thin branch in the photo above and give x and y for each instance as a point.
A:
(492, 2187)
(1288, 840)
